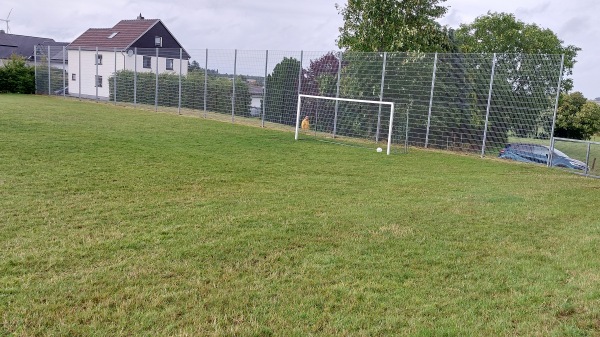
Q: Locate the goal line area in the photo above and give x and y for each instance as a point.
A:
(346, 120)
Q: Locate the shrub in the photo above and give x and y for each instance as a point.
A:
(17, 77)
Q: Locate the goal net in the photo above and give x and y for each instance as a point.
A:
(347, 121)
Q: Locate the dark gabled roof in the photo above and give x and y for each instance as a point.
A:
(127, 32)
(255, 90)
(123, 36)
(57, 54)
(22, 45)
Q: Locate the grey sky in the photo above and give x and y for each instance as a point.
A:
(292, 24)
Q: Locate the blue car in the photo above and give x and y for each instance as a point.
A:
(534, 153)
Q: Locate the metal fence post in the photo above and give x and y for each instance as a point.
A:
(264, 100)
(35, 65)
(233, 83)
(489, 101)
(587, 158)
(64, 90)
(337, 94)
(406, 127)
(156, 87)
(562, 64)
(390, 128)
(96, 78)
(180, 65)
(115, 78)
(381, 96)
(135, 77)
(205, 81)
(300, 73)
(79, 70)
(431, 100)
(49, 79)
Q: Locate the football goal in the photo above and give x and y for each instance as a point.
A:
(345, 120)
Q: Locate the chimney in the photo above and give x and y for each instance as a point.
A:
(140, 17)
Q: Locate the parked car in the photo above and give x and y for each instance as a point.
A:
(534, 153)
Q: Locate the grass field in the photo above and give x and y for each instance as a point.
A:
(115, 221)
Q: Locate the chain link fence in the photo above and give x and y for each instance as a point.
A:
(51, 70)
(579, 156)
(461, 102)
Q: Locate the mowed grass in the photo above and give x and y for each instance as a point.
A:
(115, 221)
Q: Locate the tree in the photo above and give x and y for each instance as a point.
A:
(17, 77)
(321, 75)
(503, 33)
(577, 118)
(282, 86)
(320, 79)
(527, 68)
(194, 66)
(393, 25)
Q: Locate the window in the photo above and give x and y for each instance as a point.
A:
(113, 35)
(98, 81)
(99, 59)
(73, 77)
(158, 41)
(169, 64)
(147, 63)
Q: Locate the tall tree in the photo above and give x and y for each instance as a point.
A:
(527, 68)
(503, 33)
(577, 117)
(282, 86)
(393, 25)
(321, 75)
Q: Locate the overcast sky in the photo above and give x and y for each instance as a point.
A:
(292, 24)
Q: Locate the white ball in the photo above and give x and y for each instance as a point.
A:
(379, 149)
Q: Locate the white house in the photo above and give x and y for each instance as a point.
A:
(129, 45)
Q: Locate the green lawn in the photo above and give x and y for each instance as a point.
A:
(123, 222)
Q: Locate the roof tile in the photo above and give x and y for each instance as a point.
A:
(128, 31)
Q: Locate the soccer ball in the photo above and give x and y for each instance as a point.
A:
(379, 149)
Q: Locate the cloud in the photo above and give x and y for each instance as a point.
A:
(537, 10)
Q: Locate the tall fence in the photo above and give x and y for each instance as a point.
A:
(462, 102)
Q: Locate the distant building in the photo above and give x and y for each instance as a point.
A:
(135, 42)
(24, 46)
(256, 94)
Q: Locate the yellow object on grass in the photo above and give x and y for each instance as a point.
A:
(305, 124)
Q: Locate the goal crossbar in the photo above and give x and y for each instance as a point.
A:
(391, 104)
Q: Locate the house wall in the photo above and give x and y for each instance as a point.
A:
(130, 64)
(256, 106)
(87, 77)
(107, 68)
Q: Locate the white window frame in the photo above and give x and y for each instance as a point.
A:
(73, 77)
(98, 81)
(157, 41)
(98, 59)
(167, 64)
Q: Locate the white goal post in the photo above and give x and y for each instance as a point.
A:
(391, 104)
